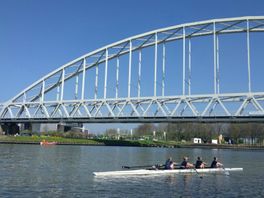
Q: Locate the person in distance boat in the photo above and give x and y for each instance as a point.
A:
(186, 164)
(216, 164)
(199, 163)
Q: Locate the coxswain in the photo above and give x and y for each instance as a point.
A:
(186, 164)
(216, 164)
(199, 163)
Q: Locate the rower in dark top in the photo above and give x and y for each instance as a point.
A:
(186, 164)
(216, 164)
(199, 163)
(169, 164)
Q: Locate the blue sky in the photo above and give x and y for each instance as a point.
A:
(37, 37)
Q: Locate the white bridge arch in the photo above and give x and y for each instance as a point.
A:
(48, 99)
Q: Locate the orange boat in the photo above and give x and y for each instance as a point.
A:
(45, 143)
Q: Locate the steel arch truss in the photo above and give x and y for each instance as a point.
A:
(202, 108)
(32, 103)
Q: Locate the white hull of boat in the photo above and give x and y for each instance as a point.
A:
(47, 143)
(158, 172)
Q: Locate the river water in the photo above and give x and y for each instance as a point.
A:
(66, 171)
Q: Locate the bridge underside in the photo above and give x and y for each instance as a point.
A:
(217, 119)
(239, 107)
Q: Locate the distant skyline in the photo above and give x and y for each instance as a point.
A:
(37, 36)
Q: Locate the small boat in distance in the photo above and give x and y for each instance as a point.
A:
(46, 143)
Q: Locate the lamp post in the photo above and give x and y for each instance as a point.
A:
(118, 133)
(131, 133)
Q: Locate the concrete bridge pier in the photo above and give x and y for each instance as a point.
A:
(69, 127)
(14, 128)
(25, 126)
(10, 128)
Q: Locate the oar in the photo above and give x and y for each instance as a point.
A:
(201, 177)
(145, 166)
(225, 171)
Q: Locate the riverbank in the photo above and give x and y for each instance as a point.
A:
(135, 143)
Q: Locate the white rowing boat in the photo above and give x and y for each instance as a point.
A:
(158, 172)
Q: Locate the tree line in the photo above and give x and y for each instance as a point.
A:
(237, 132)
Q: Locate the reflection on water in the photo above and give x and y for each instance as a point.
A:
(66, 171)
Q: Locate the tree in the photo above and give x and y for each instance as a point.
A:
(175, 131)
(235, 132)
(112, 133)
(144, 129)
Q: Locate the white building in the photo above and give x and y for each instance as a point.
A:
(197, 140)
(214, 141)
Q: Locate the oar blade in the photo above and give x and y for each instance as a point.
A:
(226, 171)
(201, 177)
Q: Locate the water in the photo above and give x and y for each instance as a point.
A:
(66, 171)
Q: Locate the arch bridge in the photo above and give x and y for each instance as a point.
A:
(181, 73)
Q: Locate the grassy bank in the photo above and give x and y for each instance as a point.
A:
(63, 140)
(103, 142)
(38, 139)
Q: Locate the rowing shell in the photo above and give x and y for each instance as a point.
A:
(158, 172)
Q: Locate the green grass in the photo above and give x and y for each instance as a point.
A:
(37, 139)
(137, 143)
(63, 140)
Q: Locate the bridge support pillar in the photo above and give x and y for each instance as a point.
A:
(10, 128)
(64, 127)
(26, 126)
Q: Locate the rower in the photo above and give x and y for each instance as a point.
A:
(199, 163)
(186, 164)
(169, 164)
(216, 164)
